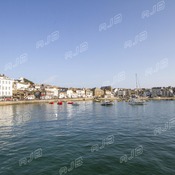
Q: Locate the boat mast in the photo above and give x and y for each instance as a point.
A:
(136, 82)
(136, 85)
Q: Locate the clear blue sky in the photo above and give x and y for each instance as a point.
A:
(25, 22)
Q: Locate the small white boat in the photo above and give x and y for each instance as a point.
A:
(97, 100)
(106, 103)
(136, 101)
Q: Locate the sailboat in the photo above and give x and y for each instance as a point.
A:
(136, 100)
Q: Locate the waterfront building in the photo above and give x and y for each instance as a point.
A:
(108, 94)
(49, 92)
(121, 92)
(108, 88)
(80, 93)
(23, 89)
(30, 97)
(62, 95)
(156, 91)
(168, 92)
(6, 85)
(89, 93)
(20, 85)
(69, 93)
(98, 92)
(37, 86)
(147, 93)
(74, 95)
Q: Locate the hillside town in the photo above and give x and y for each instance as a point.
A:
(24, 89)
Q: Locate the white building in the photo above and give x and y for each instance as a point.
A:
(62, 95)
(51, 92)
(108, 94)
(81, 93)
(37, 86)
(20, 85)
(156, 91)
(6, 86)
(120, 92)
(89, 93)
(69, 93)
(74, 95)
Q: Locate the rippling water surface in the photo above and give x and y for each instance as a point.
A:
(44, 139)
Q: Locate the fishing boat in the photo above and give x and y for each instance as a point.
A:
(59, 103)
(51, 102)
(97, 100)
(70, 102)
(107, 103)
(75, 104)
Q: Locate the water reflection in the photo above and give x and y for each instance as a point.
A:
(6, 115)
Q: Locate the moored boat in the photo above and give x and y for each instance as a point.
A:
(51, 102)
(107, 103)
(136, 101)
(59, 103)
(97, 100)
(70, 102)
(75, 104)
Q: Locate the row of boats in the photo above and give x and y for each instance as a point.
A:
(132, 101)
(69, 102)
(105, 103)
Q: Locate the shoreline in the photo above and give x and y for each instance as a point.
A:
(159, 98)
(3, 103)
